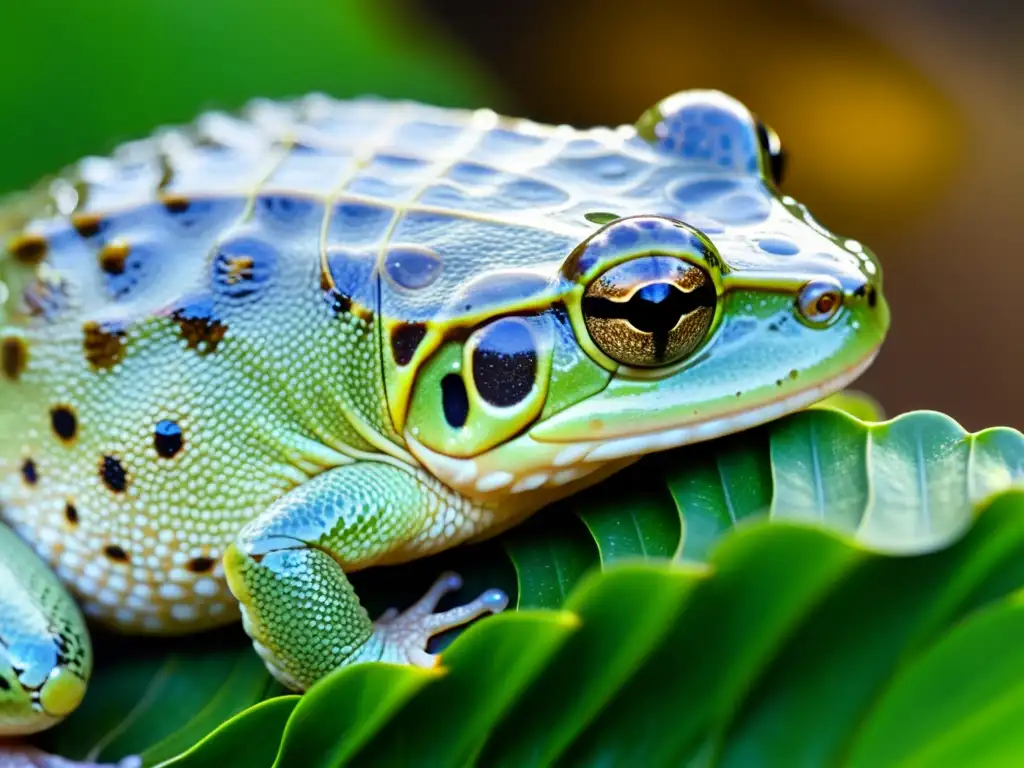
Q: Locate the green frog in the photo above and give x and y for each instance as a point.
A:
(244, 358)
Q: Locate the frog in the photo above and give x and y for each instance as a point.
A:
(246, 357)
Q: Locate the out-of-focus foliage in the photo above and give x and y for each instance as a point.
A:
(80, 77)
(860, 405)
(873, 140)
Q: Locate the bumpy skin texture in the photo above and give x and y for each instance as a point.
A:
(241, 359)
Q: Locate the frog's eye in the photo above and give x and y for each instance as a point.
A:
(820, 301)
(772, 146)
(650, 311)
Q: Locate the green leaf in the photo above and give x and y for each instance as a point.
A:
(246, 682)
(879, 616)
(917, 722)
(600, 217)
(792, 646)
(716, 489)
(704, 663)
(250, 739)
(594, 663)
(639, 528)
(341, 714)
(550, 556)
(909, 483)
(488, 667)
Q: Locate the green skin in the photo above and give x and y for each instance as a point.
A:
(242, 362)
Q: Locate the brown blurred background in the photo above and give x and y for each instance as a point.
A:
(904, 119)
(905, 127)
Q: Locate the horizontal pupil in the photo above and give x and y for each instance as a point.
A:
(655, 308)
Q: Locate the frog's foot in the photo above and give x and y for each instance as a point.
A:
(403, 637)
(14, 755)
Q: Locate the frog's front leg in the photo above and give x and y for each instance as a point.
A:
(287, 571)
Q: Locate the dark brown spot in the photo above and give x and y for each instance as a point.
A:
(239, 268)
(243, 266)
(29, 473)
(175, 203)
(794, 373)
(4, 684)
(103, 345)
(872, 297)
(405, 339)
(339, 303)
(115, 553)
(71, 513)
(353, 274)
(113, 474)
(13, 357)
(29, 249)
(778, 382)
(112, 257)
(64, 423)
(200, 564)
(200, 326)
(87, 224)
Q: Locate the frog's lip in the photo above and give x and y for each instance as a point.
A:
(655, 440)
(529, 464)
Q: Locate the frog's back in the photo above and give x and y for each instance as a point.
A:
(191, 327)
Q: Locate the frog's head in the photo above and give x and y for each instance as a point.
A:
(709, 306)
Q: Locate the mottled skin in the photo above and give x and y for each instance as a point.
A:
(243, 359)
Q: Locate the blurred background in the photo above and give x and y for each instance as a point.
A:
(903, 120)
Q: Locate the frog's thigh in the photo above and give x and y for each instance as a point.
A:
(45, 653)
(298, 607)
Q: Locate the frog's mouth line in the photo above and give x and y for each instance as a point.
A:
(673, 437)
(528, 464)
